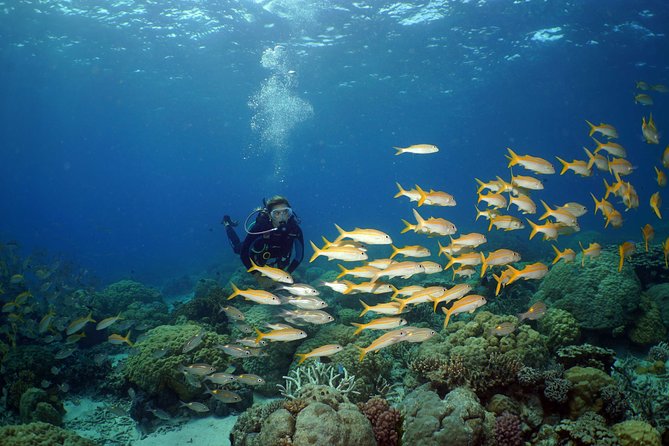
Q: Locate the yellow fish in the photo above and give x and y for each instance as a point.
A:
(548, 229)
(577, 166)
(620, 166)
(276, 274)
(533, 271)
(467, 304)
(369, 236)
(431, 267)
(665, 249)
(535, 312)
(364, 272)
(575, 209)
(382, 323)
(560, 215)
(400, 269)
(498, 257)
(599, 160)
(284, 335)
(492, 186)
(649, 130)
(593, 250)
(431, 226)
(471, 240)
(526, 182)
(661, 177)
(390, 308)
(605, 129)
(410, 251)
(388, 339)
(503, 329)
(494, 200)
(641, 85)
(258, 296)
(505, 222)
(104, 323)
(326, 350)
(665, 157)
(648, 234)
(435, 198)
(524, 204)
(655, 203)
(78, 324)
(411, 194)
(626, 249)
(661, 88)
(470, 258)
(502, 280)
(568, 255)
(118, 339)
(344, 253)
(454, 293)
(533, 163)
(418, 149)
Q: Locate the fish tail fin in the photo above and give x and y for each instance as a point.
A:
(402, 303)
(484, 265)
(591, 157)
(451, 261)
(557, 255)
(395, 251)
(419, 220)
(400, 192)
(513, 158)
(349, 286)
(490, 223)
(422, 194)
(448, 316)
(498, 279)
(548, 210)
(478, 213)
(599, 145)
(235, 291)
(407, 226)
(441, 247)
(481, 185)
(534, 227)
(363, 352)
(359, 327)
(365, 310)
(317, 251)
(400, 150)
(344, 271)
(593, 128)
(254, 267)
(341, 235)
(565, 165)
(260, 335)
(327, 243)
(622, 258)
(127, 340)
(302, 356)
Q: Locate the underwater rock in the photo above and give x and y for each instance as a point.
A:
(660, 295)
(40, 434)
(37, 405)
(587, 355)
(648, 327)
(560, 327)
(585, 394)
(457, 420)
(636, 433)
(597, 295)
(320, 424)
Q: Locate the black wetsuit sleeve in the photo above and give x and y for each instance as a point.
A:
(245, 253)
(298, 250)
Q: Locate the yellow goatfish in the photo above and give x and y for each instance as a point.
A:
(498, 257)
(532, 271)
(104, 323)
(117, 339)
(454, 293)
(283, 335)
(470, 258)
(648, 234)
(389, 308)
(599, 160)
(593, 250)
(620, 166)
(471, 240)
(492, 186)
(368, 287)
(655, 203)
(605, 129)
(344, 253)
(494, 200)
(382, 323)
(78, 324)
(399, 269)
(575, 209)
(526, 182)
(610, 147)
(369, 236)
(431, 226)
(276, 274)
(524, 204)
(326, 350)
(533, 163)
(568, 255)
(560, 215)
(548, 229)
(643, 99)
(626, 249)
(577, 166)
(259, 296)
(435, 198)
(431, 267)
(426, 295)
(467, 304)
(464, 271)
(410, 251)
(665, 249)
(418, 149)
(505, 222)
(407, 290)
(388, 339)
(502, 280)
(363, 272)
(418, 334)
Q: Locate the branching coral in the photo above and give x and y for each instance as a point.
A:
(320, 374)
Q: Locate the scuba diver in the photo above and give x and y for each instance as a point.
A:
(274, 239)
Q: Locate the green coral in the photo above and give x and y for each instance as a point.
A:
(560, 327)
(636, 433)
(40, 434)
(585, 394)
(597, 295)
(154, 375)
(37, 405)
(648, 327)
(660, 295)
(119, 295)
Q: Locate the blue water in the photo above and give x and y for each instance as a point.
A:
(126, 126)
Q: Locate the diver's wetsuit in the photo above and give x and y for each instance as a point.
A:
(274, 248)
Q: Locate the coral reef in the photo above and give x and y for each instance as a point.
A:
(318, 373)
(648, 327)
(38, 405)
(659, 294)
(597, 295)
(386, 421)
(507, 430)
(457, 420)
(659, 352)
(585, 395)
(559, 327)
(588, 430)
(586, 355)
(119, 295)
(40, 434)
(636, 433)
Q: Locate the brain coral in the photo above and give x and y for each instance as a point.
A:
(597, 295)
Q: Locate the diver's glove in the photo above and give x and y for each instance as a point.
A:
(227, 221)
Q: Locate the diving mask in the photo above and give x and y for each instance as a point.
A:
(281, 215)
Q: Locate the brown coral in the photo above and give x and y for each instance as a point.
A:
(295, 406)
(386, 421)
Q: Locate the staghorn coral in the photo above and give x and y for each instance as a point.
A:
(317, 373)
(386, 421)
(508, 430)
